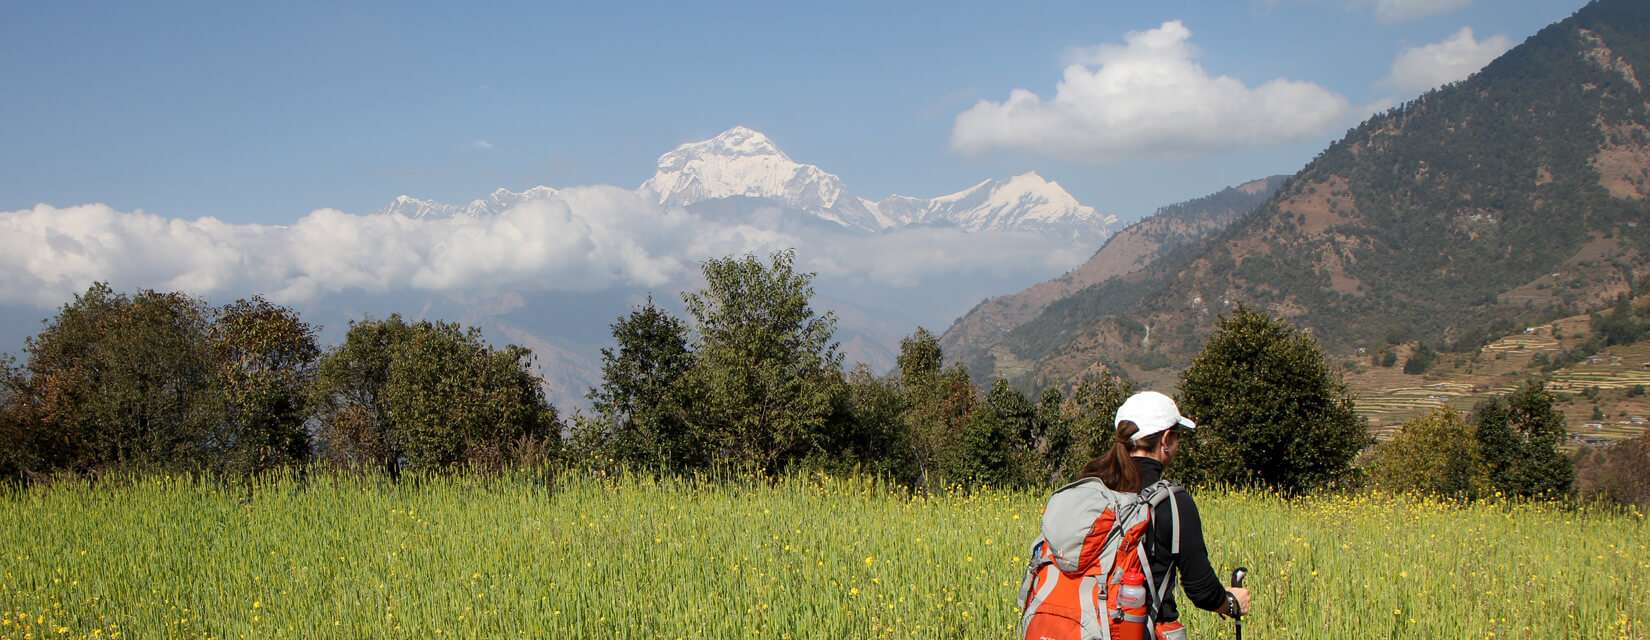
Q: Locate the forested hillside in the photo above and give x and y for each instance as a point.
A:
(1510, 198)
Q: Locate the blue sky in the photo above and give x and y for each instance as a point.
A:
(262, 113)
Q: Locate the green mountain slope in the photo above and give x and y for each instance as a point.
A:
(1515, 196)
(973, 338)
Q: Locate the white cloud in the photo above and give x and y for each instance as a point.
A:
(480, 144)
(1148, 95)
(589, 238)
(1421, 68)
(583, 239)
(1395, 11)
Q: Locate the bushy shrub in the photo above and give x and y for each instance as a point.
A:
(1619, 473)
(452, 399)
(430, 395)
(1436, 453)
(265, 358)
(1420, 360)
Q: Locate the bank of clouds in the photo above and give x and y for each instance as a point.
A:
(582, 239)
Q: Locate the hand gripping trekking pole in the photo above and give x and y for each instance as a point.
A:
(1238, 575)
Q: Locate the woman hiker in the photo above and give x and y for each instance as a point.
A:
(1070, 561)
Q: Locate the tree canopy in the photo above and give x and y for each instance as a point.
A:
(1271, 410)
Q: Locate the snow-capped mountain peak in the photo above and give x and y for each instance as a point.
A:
(738, 141)
(419, 208)
(1026, 202)
(1030, 197)
(743, 163)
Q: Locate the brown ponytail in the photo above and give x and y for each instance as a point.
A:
(1114, 466)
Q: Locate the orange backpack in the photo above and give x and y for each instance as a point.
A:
(1091, 538)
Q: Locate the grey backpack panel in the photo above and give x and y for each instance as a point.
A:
(1070, 521)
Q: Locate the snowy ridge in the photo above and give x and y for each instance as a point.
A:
(743, 163)
(1025, 202)
(499, 201)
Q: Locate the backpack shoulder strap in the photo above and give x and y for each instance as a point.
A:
(1156, 590)
(1155, 495)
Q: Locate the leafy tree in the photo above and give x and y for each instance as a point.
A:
(984, 457)
(642, 412)
(1435, 453)
(767, 363)
(1621, 325)
(920, 359)
(872, 436)
(266, 360)
(17, 451)
(937, 403)
(1543, 468)
(1053, 442)
(117, 381)
(353, 412)
(1519, 435)
(936, 414)
(1420, 360)
(159, 381)
(1271, 409)
(994, 443)
(1498, 443)
(429, 395)
(452, 399)
(1016, 411)
(1092, 409)
(1616, 473)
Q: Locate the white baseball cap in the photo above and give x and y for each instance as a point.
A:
(1153, 412)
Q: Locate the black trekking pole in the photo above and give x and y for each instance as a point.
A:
(1238, 575)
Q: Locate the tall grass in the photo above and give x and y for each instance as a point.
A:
(351, 557)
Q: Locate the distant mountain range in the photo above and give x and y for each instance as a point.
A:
(499, 201)
(744, 168)
(973, 338)
(1519, 195)
(741, 176)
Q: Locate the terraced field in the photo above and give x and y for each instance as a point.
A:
(1616, 368)
(1536, 340)
(1390, 407)
(1387, 396)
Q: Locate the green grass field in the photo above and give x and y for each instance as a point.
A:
(353, 558)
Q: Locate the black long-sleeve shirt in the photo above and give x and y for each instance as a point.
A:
(1196, 576)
